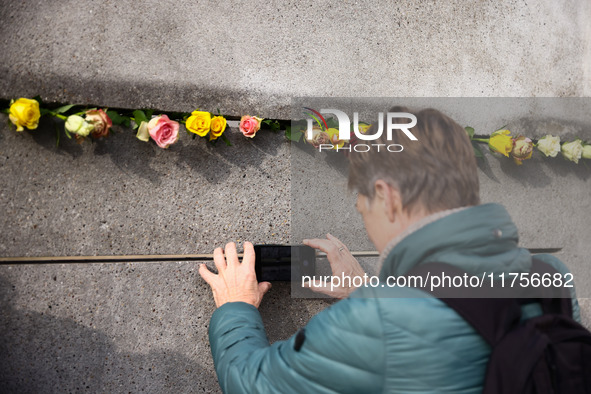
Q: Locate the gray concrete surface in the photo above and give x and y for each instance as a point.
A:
(129, 327)
(143, 327)
(245, 57)
(121, 196)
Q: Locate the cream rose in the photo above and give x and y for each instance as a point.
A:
(143, 134)
(77, 125)
(572, 150)
(549, 145)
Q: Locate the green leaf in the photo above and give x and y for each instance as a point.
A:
(44, 111)
(149, 113)
(470, 131)
(226, 140)
(118, 119)
(332, 123)
(294, 135)
(67, 133)
(114, 116)
(477, 150)
(275, 126)
(139, 116)
(63, 109)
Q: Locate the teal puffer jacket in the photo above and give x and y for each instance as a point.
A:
(383, 339)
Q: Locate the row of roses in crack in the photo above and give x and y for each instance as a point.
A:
(164, 131)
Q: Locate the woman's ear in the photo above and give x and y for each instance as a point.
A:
(390, 198)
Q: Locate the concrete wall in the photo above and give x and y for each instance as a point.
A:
(143, 327)
(247, 57)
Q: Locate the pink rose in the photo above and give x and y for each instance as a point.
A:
(249, 125)
(101, 123)
(164, 131)
(319, 138)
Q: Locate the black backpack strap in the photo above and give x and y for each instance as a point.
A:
(546, 354)
(501, 313)
(502, 305)
(554, 300)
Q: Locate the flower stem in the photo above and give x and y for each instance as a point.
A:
(481, 139)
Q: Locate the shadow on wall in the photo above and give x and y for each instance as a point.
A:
(40, 353)
(148, 161)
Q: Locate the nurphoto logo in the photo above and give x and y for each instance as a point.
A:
(344, 130)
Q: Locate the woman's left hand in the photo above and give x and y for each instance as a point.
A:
(235, 281)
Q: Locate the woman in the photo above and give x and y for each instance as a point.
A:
(418, 206)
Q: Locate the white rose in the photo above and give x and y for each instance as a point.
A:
(587, 152)
(573, 150)
(77, 125)
(549, 145)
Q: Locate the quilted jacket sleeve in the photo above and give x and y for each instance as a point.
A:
(342, 351)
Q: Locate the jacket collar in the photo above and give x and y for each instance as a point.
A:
(412, 228)
(476, 239)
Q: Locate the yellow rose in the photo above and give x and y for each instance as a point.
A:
(363, 128)
(218, 125)
(501, 142)
(199, 123)
(24, 112)
(333, 135)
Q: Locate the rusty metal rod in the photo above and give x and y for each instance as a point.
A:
(149, 258)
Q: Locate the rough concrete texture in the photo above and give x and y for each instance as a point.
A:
(142, 327)
(129, 327)
(251, 58)
(121, 196)
(118, 328)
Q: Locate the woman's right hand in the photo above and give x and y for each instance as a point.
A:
(342, 264)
